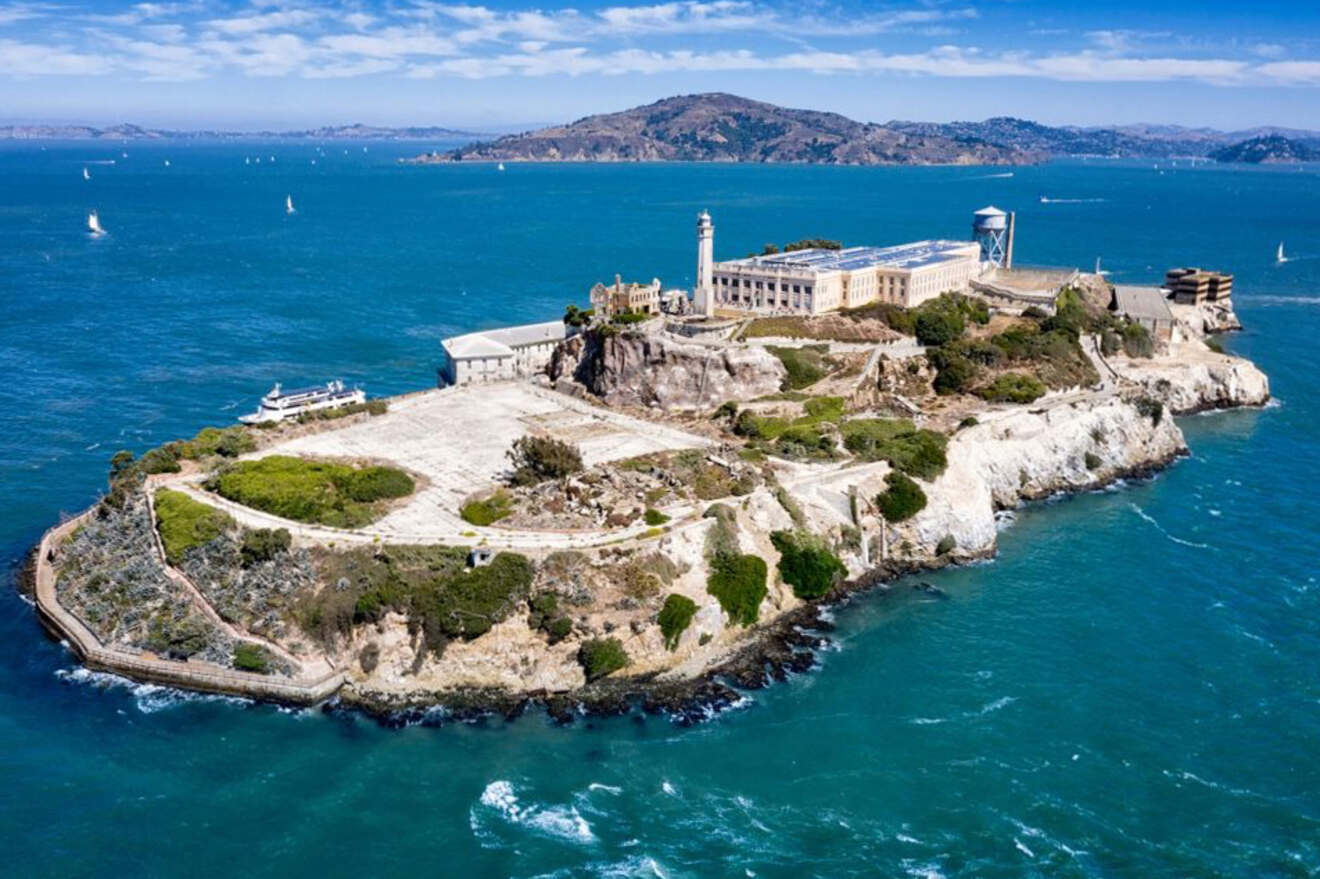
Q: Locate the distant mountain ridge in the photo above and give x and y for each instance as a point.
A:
(128, 131)
(1270, 149)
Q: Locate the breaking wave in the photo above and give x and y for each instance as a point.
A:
(149, 698)
(500, 802)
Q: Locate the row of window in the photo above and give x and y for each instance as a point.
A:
(766, 285)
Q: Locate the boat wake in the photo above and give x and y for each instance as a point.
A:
(499, 804)
(1046, 200)
(1160, 528)
(988, 708)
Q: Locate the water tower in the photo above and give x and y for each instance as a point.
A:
(993, 230)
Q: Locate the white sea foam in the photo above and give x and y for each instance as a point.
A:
(608, 788)
(149, 698)
(1017, 843)
(668, 788)
(500, 799)
(1158, 527)
(988, 708)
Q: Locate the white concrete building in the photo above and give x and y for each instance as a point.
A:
(816, 281)
(501, 354)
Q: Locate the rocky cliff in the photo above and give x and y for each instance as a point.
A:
(632, 369)
(1210, 381)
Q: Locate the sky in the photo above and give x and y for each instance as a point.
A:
(505, 65)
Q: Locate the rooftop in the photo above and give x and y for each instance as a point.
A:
(1142, 302)
(501, 342)
(916, 255)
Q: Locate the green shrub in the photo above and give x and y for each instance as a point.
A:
(1137, 341)
(674, 618)
(543, 615)
(164, 459)
(1215, 344)
(753, 426)
(812, 244)
(918, 452)
(948, 543)
(488, 510)
(969, 421)
(654, 517)
(806, 563)
(537, 459)
(466, 603)
(184, 523)
(310, 491)
(1110, 343)
(805, 441)
(805, 365)
(1092, 461)
(628, 316)
(251, 657)
(824, 408)
(902, 500)
(263, 544)
(1151, 408)
(727, 409)
(602, 656)
(227, 442)
(1013, 387)
(1035, 312)
(954, 371)
(934, 328)
(738, 582)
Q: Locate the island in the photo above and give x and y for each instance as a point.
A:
(649, 503)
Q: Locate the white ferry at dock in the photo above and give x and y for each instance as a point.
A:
(280, 404)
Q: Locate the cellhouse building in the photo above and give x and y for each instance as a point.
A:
(819, 280)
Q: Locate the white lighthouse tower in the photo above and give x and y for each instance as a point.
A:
(703, 295)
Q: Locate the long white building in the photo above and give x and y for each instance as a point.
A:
(817, 280)
(501, 354)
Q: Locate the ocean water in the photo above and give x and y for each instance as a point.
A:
(1130, 689)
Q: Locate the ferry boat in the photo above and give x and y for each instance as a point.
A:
(280, 404)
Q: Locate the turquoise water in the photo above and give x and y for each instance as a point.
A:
(1129, 690)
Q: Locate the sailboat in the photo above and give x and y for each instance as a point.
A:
(288, 205)
(167, 163)
(1280, 257)
(1098, 270)
(94, 225)
(86, 175)
(499, 167)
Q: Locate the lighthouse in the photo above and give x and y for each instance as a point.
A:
(703, 295)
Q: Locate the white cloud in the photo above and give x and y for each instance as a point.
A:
(251, 24)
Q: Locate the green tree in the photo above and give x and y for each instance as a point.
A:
(903, 498)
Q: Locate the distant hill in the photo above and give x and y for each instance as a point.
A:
(1269, 149)
(137, 132)
(726, 128)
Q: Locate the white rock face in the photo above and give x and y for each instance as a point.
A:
(1198, 380)
(1025, 454)
(660, 370)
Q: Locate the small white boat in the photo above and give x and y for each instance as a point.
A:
(280, 404)
(86, 174)
(1280, 257)
(167, 163)
(125, 155)
(288, 205)
(247, 161)
(94, 225)
(499, 167)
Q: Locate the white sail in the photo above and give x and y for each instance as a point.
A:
(500, 167)
(1280, 257)
(94, 224)
(288, 204)
(86, 175)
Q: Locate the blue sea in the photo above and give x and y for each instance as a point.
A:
(1132, 688)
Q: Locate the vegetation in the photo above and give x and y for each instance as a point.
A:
(251, 657)
(1215, 344)
(1092, 460)
(432, 586)
(705, 479)
(226, 442)
(919, 452)
(948, 543)
(654, 517)
(805, 365)
(728, 409)
(263, 544)
(327, 493)
(487, 510)
(806, 563)
(738, 582)
(1013, 387)
(537, 459)
(371, 407)
(185, 523)
(675, 616)
(544, 615)
(602, 656)
(1150, 408)
(177, 637)
(902, 500)
(935, 328)
(578, 317)
(626, 316)
(1137, 341)
(813, 244)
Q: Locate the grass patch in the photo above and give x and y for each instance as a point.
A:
(896, 440)
(251, 657)
(184, 523)
(339, 495)
(806, 563)
(487, 510)
(675, 616)
(1013, 387)
(805, 366)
